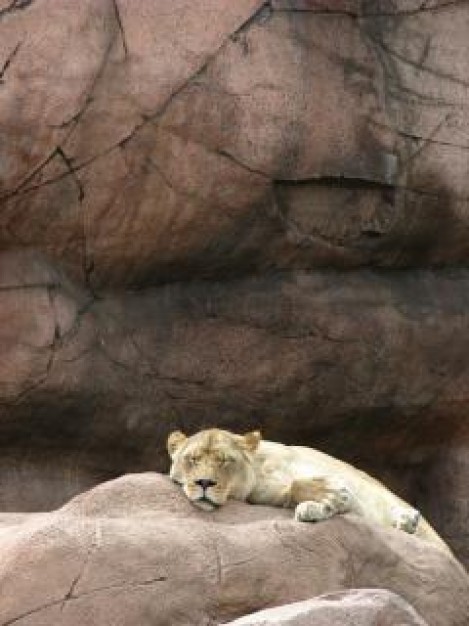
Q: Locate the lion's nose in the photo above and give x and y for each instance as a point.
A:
(205, 483)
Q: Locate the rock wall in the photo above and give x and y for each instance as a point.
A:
(235, 213)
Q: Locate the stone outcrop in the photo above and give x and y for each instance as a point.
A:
(135, 551)
(367, 607)
(248, 214)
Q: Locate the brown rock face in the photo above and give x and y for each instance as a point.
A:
(243, 214)
(135, 551)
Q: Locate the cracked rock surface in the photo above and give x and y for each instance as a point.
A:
(217, 137)
(135, 551)
(246, 214)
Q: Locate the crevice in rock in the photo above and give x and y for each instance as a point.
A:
(79, 576)
(361, 183)
(56, 336)
(23, 186)
(122, 586)
(34, 611)
(315, 237)
(63, 602)
(412, 156)
(88, 263)
(76, 324)
(8, 61)
(336, 182)
(218, 151)
(71, 170)
(400, 92)
(227, 155)
(421, 67)
(260, 16)
(70, 596)
(428, 140)
(121, 26)
(422, 9)
(331, 180)
(75, 119)
(94, 545)
(156, 167)
(284, 7)
(14, 6)
(69, 166)
(55, 344)
(312, 11)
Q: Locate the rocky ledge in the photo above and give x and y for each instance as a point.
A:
(135, 551)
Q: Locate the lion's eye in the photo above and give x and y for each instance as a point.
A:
(193, 459)
(227, 460)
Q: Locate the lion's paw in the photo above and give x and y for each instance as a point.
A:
(406, 519)
(314, 511)
(342, 499)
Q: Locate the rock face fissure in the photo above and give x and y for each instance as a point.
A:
(246, 214)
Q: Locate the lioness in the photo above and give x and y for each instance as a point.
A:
(214, 465)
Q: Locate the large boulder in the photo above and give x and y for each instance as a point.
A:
(364, 607)
(135, 551)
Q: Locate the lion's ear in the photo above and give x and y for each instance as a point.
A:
(251, 440)
(175, 441)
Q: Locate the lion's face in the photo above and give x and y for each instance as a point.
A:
(213, 465)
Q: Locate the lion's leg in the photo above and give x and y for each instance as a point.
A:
(405, 518)
(317, 499)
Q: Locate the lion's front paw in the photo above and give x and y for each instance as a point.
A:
(406, 519)
(314, 511)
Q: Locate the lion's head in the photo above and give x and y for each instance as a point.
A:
(213, 465)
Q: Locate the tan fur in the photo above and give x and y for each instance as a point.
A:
(215, 465)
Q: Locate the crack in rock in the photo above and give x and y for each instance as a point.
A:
(14, 6)
(288, 6)
(427, 139)
(69, 166)
(8, 61)
(58, 338)
(121, 26)
(65, 601)
(421, 67)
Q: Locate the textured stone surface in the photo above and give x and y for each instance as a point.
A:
(135, 551)
(259, 137)
(234, 213)
(364, 607)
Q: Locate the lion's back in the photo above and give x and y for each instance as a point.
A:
(289, 463)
